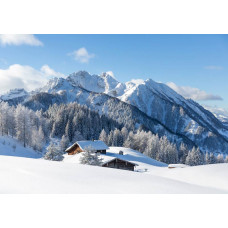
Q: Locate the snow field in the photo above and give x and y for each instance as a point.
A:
(21, 171)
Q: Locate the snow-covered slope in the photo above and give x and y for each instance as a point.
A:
(11, 147)
(26, 175)
(212, 176)
(22, 170)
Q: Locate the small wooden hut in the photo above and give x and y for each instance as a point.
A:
(97, 145)
(118, 163)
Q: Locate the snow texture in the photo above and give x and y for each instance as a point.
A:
(25, 175)
(14, 93)
(21, 173)
(11, 147)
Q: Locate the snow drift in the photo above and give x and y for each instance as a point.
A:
(26, 175)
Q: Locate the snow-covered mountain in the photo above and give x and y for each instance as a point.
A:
(103, 83)
(155, 105)
(219, 113)
(14, 95)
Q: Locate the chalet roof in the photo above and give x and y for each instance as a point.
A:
(96, 145)
(110, 159)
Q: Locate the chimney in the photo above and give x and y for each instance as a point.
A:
(120, 152)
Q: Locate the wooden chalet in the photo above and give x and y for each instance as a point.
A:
(80, 146)
(118, 163)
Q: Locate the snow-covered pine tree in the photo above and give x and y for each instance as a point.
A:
(89, 157)
(207, 158)
(212, 159)
(162, 151)
(103, 136)
(110, 138)
(5, 119)
(64, 143)
(152, 147)
(77, 136)
(141, 140)
(172, 154)
(37, 139)
(23, 125)
(69, 130)
(183, 153)
(129, 142)
(53, 153)
(220, 158)
(226, 159)
(195, 157)
(117, 138)
(124, 133)
(11, 125)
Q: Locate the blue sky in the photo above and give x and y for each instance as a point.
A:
(195, 65)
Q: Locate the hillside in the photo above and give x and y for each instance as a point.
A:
(26, 175)
(24, 171)
(11, 147)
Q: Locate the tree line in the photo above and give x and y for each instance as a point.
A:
(160, 148)
(73, 122)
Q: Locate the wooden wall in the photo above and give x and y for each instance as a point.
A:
(76, 149)
(119, 164)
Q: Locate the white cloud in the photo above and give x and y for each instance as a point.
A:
(193, 93)
(10, 39)
(212, 67)
(50, 72)
(20, 76)
(82, 55)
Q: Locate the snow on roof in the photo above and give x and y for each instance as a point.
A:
(96, 145)
(107, 159)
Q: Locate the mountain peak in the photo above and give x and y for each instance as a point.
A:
(97, 83)
(81, 73)
(14, 93)
(108, 74)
